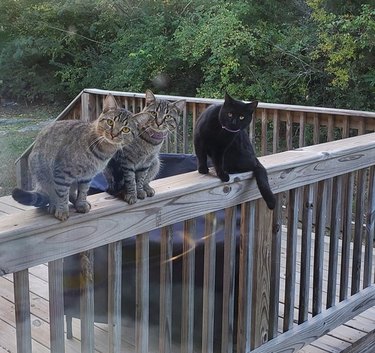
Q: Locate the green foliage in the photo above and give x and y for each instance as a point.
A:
(313, 52)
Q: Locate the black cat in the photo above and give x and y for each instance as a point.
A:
(221, 134)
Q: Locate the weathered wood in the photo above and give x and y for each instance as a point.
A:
(275, 269)
(358, 231)
(209, 283)
(166, 299)
(88, 104)
(301, 335)
(229, 280)
(142, 294)
(290, 277)
(366, 344)
(87, 301)
(245, 276)
(276, 132)
(319, 247)
(334, 239)
(22, 311)
(176, 199)
(262, 279)
(114, 296)
(370, 230)
(307, 219)
(56, 306)
(347, 190)
(263, 135)
(188, 269)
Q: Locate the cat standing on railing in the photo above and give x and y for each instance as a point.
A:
(220, 134)
(68, 154)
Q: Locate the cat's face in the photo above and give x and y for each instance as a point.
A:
(116, 125)
(236, 115)
(159, 117)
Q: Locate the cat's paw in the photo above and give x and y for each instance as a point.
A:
(149, 190)
(223, 176)
(203, 170)
(130, 198)
(141, 194)
(61, 214)
(83, 206)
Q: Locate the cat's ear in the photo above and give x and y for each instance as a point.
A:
(227, 97)
(109, 103)
(150, 97)
(253, 105)
(180, 105)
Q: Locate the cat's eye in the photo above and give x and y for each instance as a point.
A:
(168, 117)
(242, 117)
(110, 122)
(125, 130)
(154, 114)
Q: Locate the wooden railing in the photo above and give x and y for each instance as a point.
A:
(328, 186)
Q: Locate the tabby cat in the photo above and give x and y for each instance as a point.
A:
(220, 134)
(130, 171)
(68, 154)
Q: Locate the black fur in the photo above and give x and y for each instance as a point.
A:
(221, 134)
(30, 198)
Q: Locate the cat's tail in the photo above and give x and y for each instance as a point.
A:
(30, 198)
(261, 177)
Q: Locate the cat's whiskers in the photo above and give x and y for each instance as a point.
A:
(96, 142)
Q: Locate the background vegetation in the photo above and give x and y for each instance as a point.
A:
(311, 52)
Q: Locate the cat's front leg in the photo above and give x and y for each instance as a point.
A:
(217, 160)
(201, 154)
(59, 204)
(129, 192)
(81, 204)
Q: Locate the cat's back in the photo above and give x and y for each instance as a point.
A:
(208, 120)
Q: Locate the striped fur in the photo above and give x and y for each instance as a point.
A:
(68, 154)
(130, 171)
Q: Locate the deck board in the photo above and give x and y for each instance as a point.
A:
(335, 342)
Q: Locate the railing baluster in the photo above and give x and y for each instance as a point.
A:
(370, 230)
(302, 126)
(166, 299)
(245, 277)
(87, 301)
(276, 132)
(334, 239)
(321, 214)
(264, 133)
(188, 269)
(56, 306)
(114, 296)
(209, 283)
(142, 293)
(347, 190)
(22, 309)
(289, 130)
(307, 220)
(291, 257)
(229, 279)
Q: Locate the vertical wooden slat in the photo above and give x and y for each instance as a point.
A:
(358, 231)
(114, 296)
(166, 254)
(229, 279)
(347, 190)
(56, 305)
(370, 230)
(264, 133)
(289, 130)
(330, 128)
(291, 257)
(307, 220)
(142, 293)
(302, 127)
(22, 309)
(334, 239)
(194, 111)
(319, 247)
(245, 293)
(185, 132)
(316, 127)
(209, 283)
(346, 127)
(87, 301)
(275, 269)
(252, 128)
(88, 111)
(262, 280)
(276, 135)
(188, 269)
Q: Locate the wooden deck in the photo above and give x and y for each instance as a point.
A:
(351, 337)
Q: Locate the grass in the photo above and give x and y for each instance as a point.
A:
(19, 126)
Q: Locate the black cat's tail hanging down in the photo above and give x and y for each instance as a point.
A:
(261, 177)
(30, 198)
